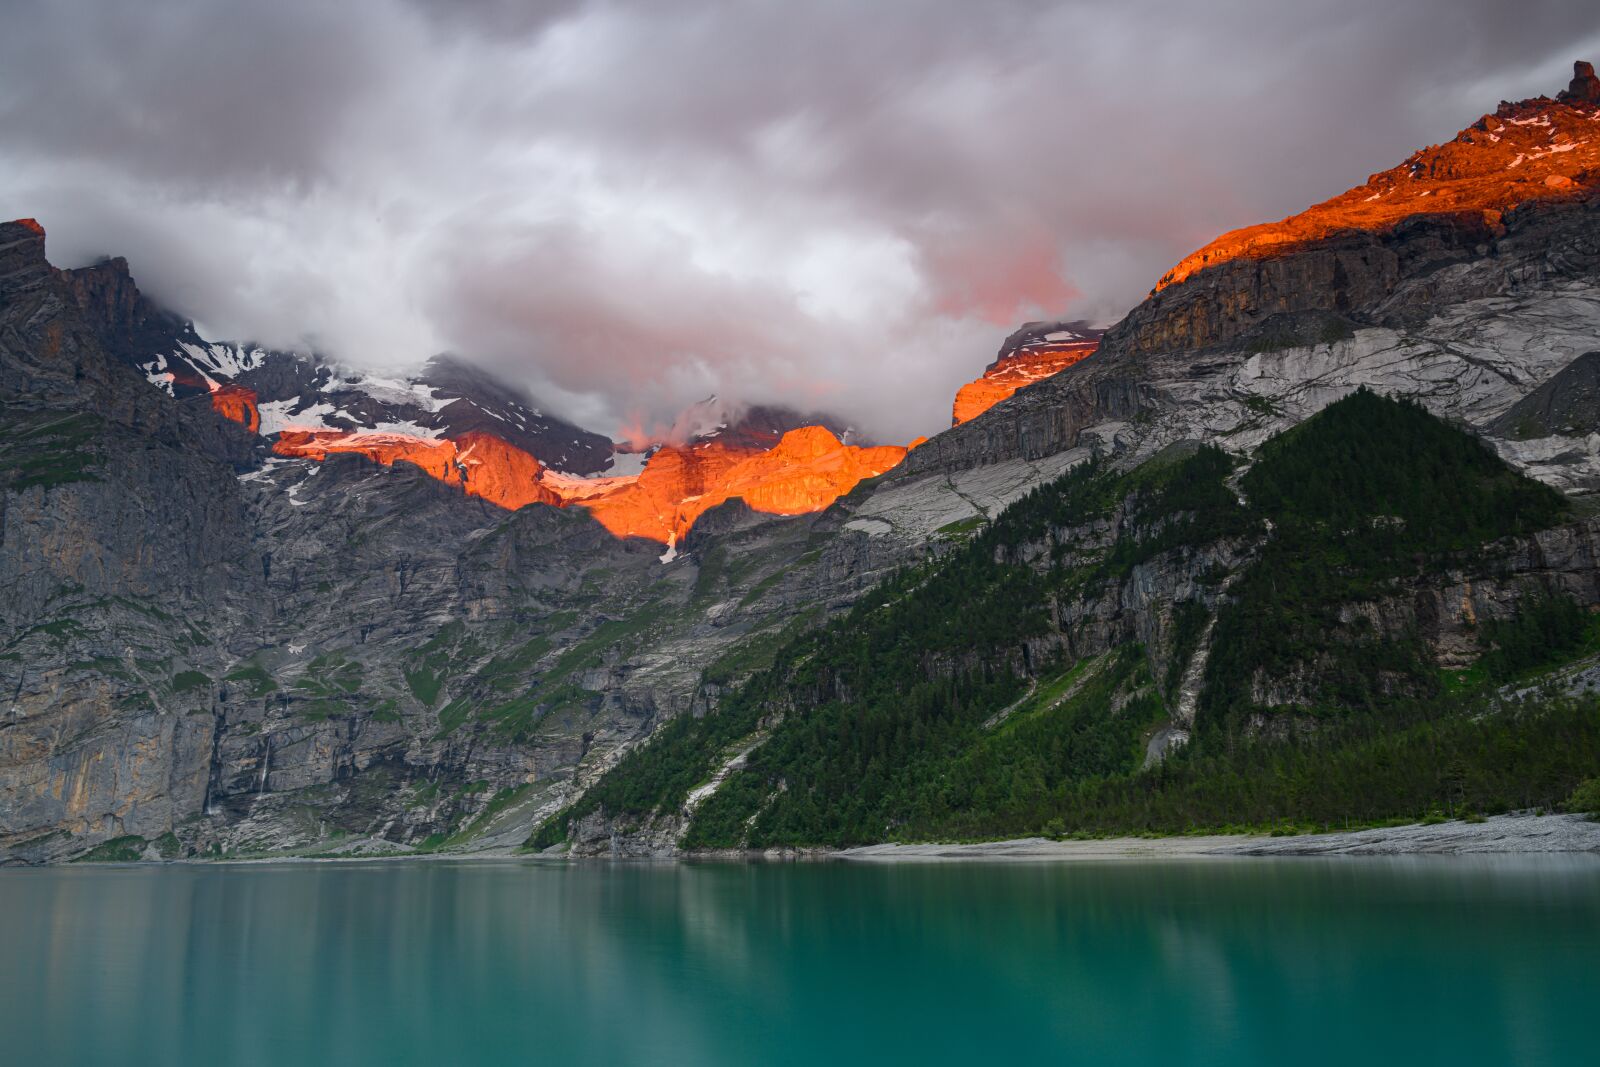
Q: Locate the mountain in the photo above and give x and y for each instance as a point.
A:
(804, 471)
(1165, 616)
(778, 461)
(740, 426)
(1206, 576)
(1260, 593)
(222, 649)
(1036, 351)
(474, 431)
(1469, 315)
(272, 391)
(1531, 151)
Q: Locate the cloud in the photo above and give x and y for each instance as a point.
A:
(629, 205)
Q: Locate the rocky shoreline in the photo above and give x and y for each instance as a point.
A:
(1523, 833)
(1500, 834)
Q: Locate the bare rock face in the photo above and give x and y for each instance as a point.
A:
(238, 404)
(480, 464)
(469, 399)
(1468, 318)
(447, 399)
(596, 835)
(1015, 371)
(808, 469)
(1585, 87)
(117, 498)
(1031, 353)
(1486, 322)
(1567, 404)
(463, 425)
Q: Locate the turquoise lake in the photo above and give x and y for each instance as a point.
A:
(1237, 962)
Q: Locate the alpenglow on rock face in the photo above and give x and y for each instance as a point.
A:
(1038, 350)
(1534, 150)
(463, 426)
(808, 469)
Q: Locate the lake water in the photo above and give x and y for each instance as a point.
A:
(1234, 962)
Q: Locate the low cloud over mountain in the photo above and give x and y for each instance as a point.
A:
(633, 205)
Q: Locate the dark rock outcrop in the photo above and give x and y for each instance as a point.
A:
(1031, 333)
(480, 402)
(129, 324)
(1584, 87)
(1567, 404)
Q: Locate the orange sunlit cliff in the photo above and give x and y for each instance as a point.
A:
(800, 471)
(808, 469)
(237, 403)
(481, 464)
(1539, 149)
(1013, 371)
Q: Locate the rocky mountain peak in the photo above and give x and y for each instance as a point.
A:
(129, 323)
(1528, 151)
(1033, 352)
(104, 291)
(734, 424)
(22, 262)
(1585, 87)
(1054, 331)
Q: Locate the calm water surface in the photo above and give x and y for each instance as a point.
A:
(1237, 963)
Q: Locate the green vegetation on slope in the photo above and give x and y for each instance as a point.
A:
(127, 849)
(255, 678)
(509, 692)
(899, 688)
(940, 706)
(47, 448)
(1439, 757)
(1361, 496)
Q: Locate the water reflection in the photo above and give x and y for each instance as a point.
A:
(1201, 962)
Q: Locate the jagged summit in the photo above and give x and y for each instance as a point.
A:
(1038, 334)
(1531, 150)
(1584, 88)
(1033, 352)
(270, 391)
(22, 261)
(461, 423)
(732, 423)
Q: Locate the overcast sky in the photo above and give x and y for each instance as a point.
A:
(634, 204)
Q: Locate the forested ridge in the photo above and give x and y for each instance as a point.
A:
(964, 699)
